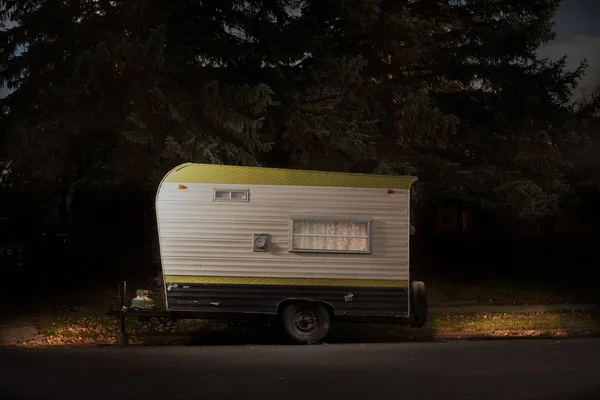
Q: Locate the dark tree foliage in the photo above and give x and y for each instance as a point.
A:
(517, 121)
(465, 102)
(110, 91)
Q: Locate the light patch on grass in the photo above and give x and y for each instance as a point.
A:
(103, 330)
(488, 323)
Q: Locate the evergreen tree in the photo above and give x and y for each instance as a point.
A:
(463, 100)
(450, 90)
(106, 90)
(517, 121)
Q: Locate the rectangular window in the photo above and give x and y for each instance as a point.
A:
(240, 195)
(330, 235)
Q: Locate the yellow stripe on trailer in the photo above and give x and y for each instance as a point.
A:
(237, 280)
(237, 175)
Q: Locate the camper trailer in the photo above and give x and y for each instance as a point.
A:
(308, 247)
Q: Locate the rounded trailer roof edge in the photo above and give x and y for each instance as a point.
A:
(176, 168)
(240, 175)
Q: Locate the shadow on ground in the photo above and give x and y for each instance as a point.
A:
(592, 393)
(273, 334)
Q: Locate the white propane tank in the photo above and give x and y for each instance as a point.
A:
(142, 301)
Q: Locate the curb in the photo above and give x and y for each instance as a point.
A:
(191, 340)
(529, 334)
(513, 309)
(564, 334)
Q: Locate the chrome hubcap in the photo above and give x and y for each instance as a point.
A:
(305, 322)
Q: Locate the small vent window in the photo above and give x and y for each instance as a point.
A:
(239, 195)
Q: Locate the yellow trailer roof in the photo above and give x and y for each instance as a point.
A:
(236, 175)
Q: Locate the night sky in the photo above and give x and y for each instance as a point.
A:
(578, 35)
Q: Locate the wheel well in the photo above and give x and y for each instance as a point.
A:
(284, 303)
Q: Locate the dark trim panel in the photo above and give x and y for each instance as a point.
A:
(348, 303)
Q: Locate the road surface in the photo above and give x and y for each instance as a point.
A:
(510, 370)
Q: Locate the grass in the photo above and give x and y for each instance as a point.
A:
(492, 322)
(495, 324)
(504, 293)
(68, 321)
(516, 321)
(103, 330)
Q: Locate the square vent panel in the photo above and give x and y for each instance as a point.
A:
(260, 242)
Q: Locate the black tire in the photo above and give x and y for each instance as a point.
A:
(418, 305)
(306, 322)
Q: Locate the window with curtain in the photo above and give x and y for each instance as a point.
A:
(330, 235)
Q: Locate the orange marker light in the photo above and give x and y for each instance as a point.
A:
(181, 187)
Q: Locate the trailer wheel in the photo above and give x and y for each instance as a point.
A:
(418, 305)
(306, 322)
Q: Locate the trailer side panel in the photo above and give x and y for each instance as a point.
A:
(209, 264)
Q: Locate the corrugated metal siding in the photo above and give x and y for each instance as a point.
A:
(202, 237)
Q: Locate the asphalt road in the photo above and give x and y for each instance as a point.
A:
(509, 370)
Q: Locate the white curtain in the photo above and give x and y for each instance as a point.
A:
(330, 236)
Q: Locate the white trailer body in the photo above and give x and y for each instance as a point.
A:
(247, 240)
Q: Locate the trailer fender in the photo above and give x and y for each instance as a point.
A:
(284, 303)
